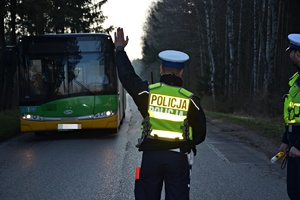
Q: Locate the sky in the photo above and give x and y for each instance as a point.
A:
(131, 16)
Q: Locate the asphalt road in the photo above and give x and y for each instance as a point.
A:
(98, 165)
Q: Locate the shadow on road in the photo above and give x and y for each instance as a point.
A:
(75, 135)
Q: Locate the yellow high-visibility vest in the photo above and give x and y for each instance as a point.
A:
(168, 109)
(291, 110)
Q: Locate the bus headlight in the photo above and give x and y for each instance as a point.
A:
(32, 117)
(104, 114)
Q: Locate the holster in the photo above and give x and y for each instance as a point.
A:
(146, 128)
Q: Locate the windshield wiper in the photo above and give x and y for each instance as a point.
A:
(82, 86)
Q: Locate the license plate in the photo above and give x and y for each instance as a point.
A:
(68, 126)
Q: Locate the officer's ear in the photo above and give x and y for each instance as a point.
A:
(160, 70)
(180, 72)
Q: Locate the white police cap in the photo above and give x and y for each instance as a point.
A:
(172, 58)
(294, 41)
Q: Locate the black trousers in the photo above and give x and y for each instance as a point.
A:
(293, 178)
(169, 167)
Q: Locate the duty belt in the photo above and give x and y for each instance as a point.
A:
(294, 128)
(190, 156)
(177, 150)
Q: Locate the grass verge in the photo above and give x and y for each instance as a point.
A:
(272, 128)
(10, 124)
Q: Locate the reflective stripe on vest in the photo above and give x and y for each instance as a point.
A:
(168, 108)
(291, 109)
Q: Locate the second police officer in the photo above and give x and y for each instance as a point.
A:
(173, 124)
(291, 136)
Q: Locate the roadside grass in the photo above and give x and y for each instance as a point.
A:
(272, 128)
(9, 123)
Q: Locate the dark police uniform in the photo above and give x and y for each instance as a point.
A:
(292, 120)
(162, 161)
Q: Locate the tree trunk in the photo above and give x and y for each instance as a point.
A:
(239, 43)
(231, 41)
(254, 68)
(210, 34)
(270, 45)
(13, 5)
(2, 50)
(261, 43)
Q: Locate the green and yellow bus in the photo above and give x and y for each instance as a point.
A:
(69, 82)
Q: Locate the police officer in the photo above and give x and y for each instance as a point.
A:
(291, 137)
(174, 123)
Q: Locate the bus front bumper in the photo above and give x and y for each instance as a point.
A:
(35, 126)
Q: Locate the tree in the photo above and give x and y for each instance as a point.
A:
(270, 44)
(235, 51)
(210, 36)
(231, 50)
(2, 48)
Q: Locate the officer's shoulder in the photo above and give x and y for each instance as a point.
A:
(195, 104)
(297, 82)
(196, 99)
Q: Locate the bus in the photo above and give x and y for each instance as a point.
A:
(69, 82)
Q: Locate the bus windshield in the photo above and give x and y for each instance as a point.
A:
(79, 66)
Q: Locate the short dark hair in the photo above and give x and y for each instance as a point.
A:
(171, 70)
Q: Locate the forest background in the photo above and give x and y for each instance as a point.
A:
(237, 47)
